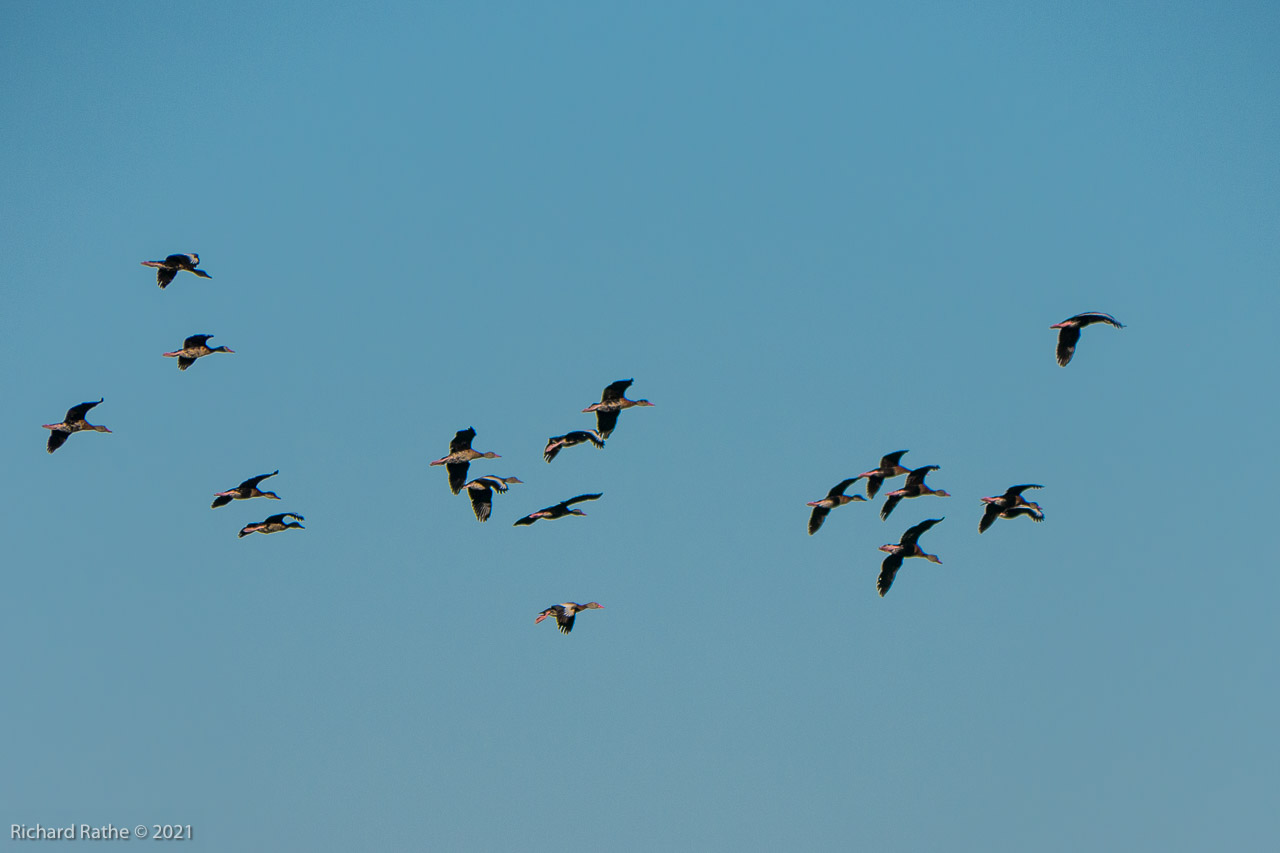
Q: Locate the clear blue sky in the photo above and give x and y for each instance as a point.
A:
(813, 235)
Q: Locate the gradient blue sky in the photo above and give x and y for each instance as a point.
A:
(813, 235)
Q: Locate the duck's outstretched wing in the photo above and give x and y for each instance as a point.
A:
(614, 390)
(77, 413)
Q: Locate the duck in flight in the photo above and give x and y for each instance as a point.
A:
(244, 491)
(1010, 505)
(907, 546)
(559, 510)
(174, 264)
(565, 613)
(194, 347)
(458, 462)
(888, 469)
(570, 439)
(481, 490)
(611, 404)
(1069, 332)
(914, 488)
(73, 422)
(273, 524)
(836, 497)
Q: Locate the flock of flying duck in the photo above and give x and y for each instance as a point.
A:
(457, 464)
(1009, 505)
(612, 403)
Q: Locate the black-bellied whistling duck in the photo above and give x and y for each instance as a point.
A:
(836, 497)
(192, 348)
(273, 524)
(997, 506)
(570, 439)
(907, 546)
(172, 265)
(560, 510)
(611, 404)
(481, 490)
(1070, 332)
(564, 613)
(244, 491)
(73, 422)
(459, 459)
(914, 488)
(889, 467)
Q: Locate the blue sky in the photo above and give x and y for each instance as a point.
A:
(812, 236)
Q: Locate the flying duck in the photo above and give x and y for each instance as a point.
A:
(565, 613)
(889, 468)
(997, 506)
(192, 348)
(73, 422)
(560, 510)
(273, 524)
(172, 265)
(611, 404)
(481, 490)
(570, 439)
(905, 547)
(1070, 328)
(459, 459)
(244, 491)
(836, 497)
(914, 488)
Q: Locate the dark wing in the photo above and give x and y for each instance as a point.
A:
(889, 504)
(989, 516)
(581, 498)
(873, 484)
(892, 460)
(614, 391)
(1088, 318)
(1014, 493)
(57, 438)
(195, 341)
(916, 477)
(179, 261)
(838, 489)
(457, 474)
(1025, 509)
(1067, 338)
(481, 503)
(888, 570)
(276, 519)
(252, 482)
(462, 441)
(606, 421)
(164, 275)
(220, 500)
(77, 413)
(184, 362)
(914, 533)
(816, 518)
(591, 437)
(553, 447)
(563, 622)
